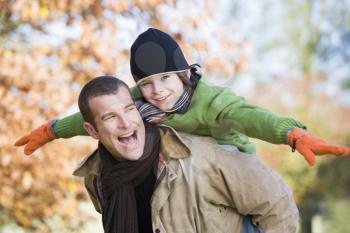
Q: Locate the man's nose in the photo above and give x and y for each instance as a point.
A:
(124, 122)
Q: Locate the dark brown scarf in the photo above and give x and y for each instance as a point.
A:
(119, 179)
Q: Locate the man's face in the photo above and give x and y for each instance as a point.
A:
(119, 126)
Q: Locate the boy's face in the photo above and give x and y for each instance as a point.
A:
(162, 90)
(119, 126)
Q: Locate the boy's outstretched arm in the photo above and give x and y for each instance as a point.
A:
(308, 145)
(234, 112)
(67, 127)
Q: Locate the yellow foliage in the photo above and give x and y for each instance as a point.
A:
(40, 81)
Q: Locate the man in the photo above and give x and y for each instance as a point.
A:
(143, 177)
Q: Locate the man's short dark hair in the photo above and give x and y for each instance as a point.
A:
(103, 85)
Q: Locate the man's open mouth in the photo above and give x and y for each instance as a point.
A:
(129, 139)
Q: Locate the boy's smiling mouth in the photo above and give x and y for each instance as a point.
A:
(161, 98)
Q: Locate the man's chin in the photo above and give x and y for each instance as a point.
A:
(134, 156)
(132, 153)
(123, 153)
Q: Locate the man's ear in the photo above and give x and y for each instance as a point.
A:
(91, 130)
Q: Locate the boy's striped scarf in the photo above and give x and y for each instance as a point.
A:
(154, 115)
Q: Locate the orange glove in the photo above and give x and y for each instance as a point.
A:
(309, 146)
(36, 138)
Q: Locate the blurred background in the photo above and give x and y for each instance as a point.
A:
(289, 56)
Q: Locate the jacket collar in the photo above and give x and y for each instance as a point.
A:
(172, 146)
(89, 165)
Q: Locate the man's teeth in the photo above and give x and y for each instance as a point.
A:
(129, 140)
(127, 135)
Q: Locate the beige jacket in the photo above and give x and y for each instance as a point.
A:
(205, 187)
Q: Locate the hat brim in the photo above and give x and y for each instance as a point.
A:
(164, 73)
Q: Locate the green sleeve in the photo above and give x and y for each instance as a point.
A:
(135, 93)
(232, 111)
(70, 126)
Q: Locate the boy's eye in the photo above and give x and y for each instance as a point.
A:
(144, 84)
(165, 77)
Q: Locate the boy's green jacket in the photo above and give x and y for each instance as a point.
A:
(214, 111)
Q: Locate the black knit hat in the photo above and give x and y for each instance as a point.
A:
(155, 52)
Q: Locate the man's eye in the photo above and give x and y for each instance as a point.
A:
(131, 108)
(109, 117)
(165, 77)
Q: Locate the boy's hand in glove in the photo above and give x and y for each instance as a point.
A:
(308, 145)
(36, 138)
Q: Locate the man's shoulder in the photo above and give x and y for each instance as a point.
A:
(205, 146)
(171, 136)
(89, 165)
(211, 158)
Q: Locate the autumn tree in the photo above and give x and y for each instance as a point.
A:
(48, 50)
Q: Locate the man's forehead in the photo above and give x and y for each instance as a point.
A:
(119, 99)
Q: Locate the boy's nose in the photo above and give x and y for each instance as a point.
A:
(157, 88)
